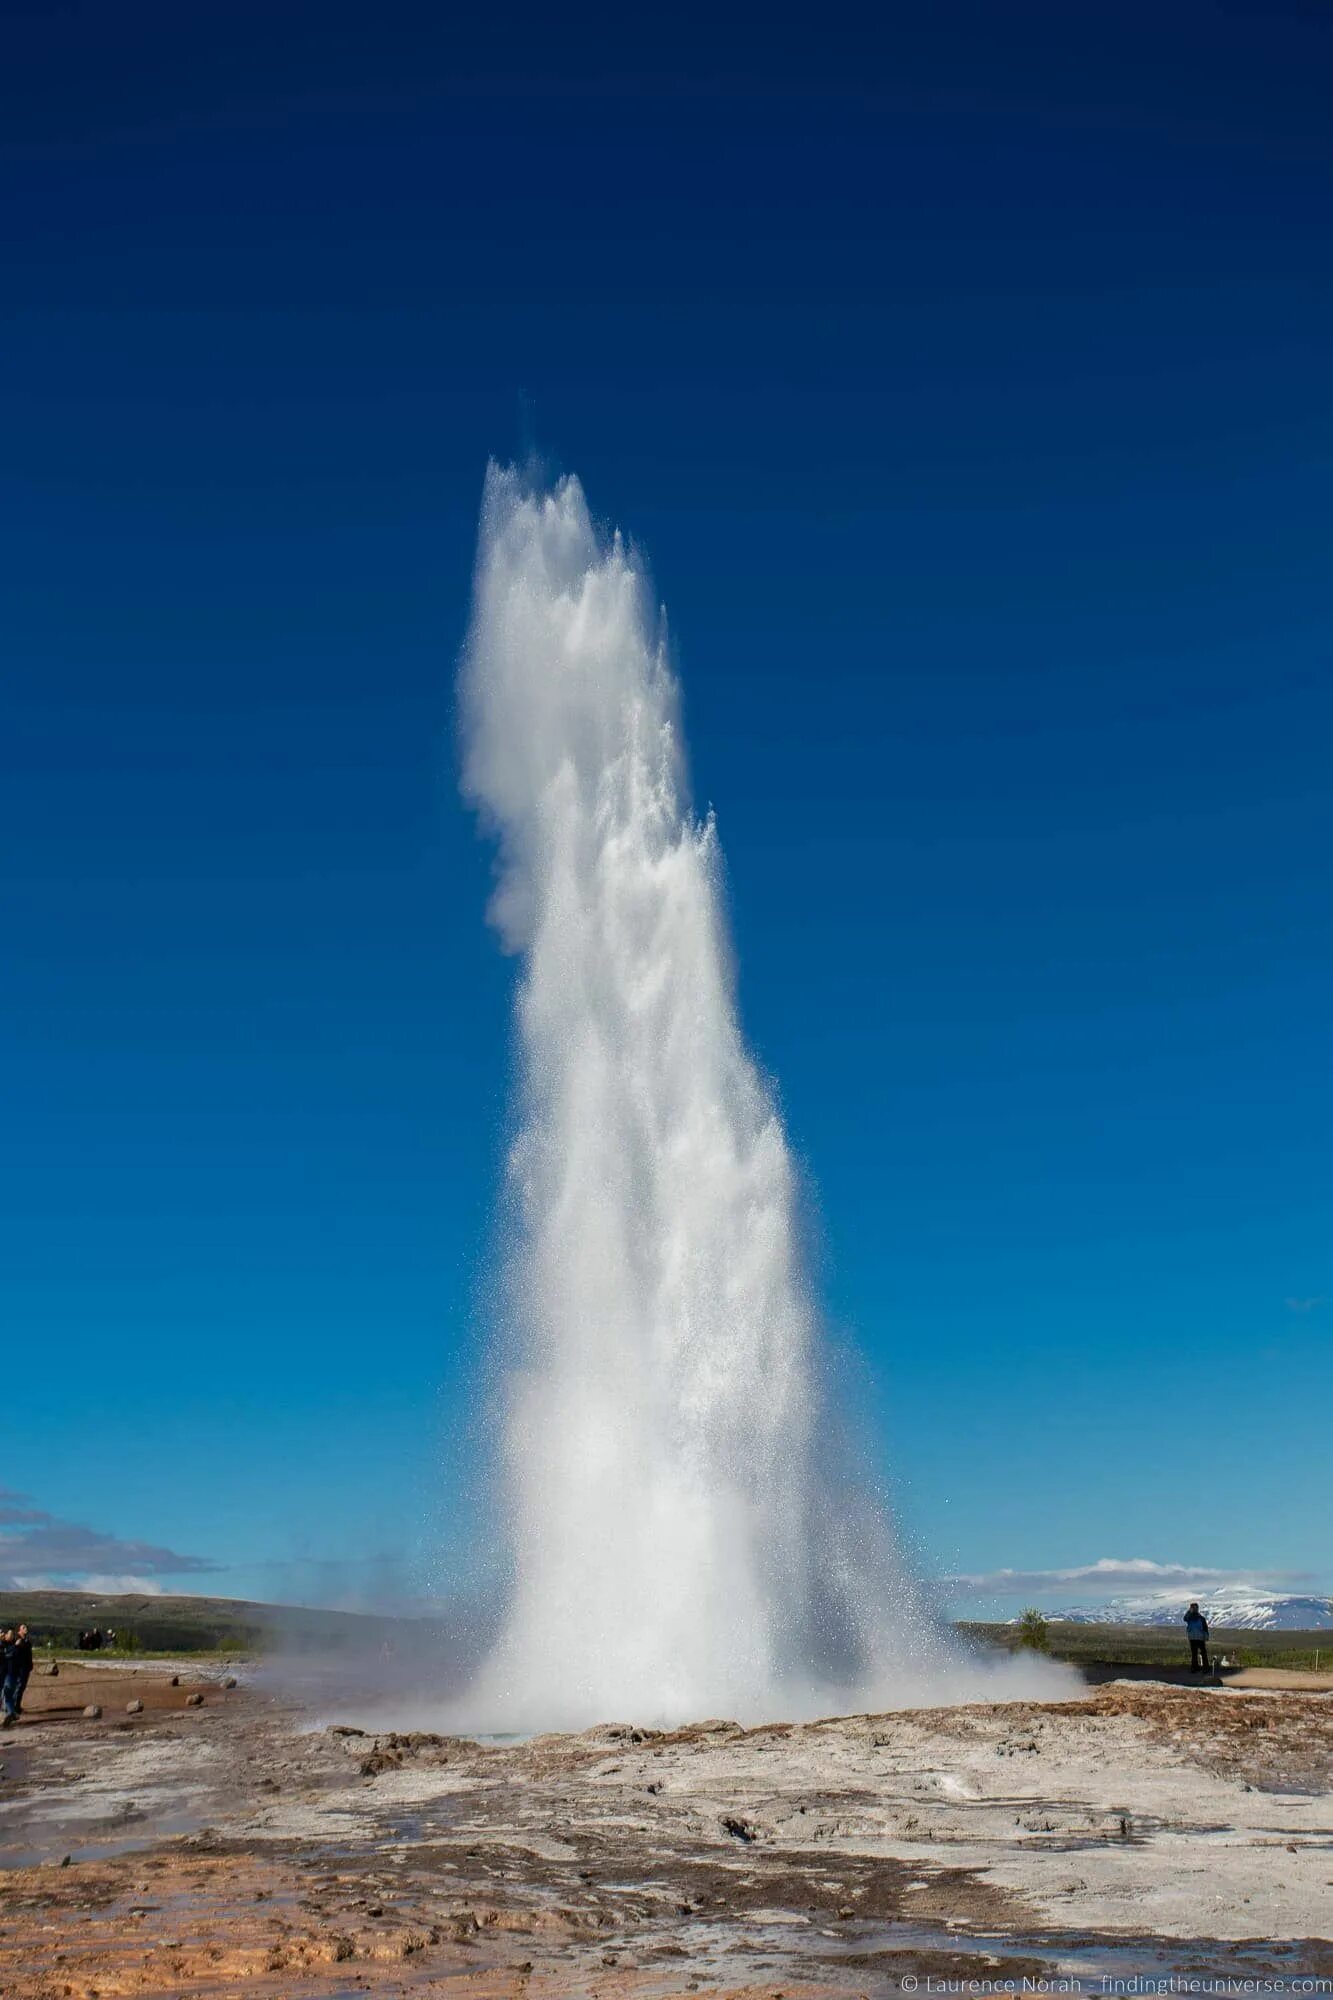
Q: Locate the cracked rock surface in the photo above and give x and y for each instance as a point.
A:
(234, 1848)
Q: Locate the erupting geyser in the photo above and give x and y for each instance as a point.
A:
(679, 1547)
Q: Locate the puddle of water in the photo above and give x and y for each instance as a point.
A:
(13, 1765)
(1071, 1955)
(46, 1841)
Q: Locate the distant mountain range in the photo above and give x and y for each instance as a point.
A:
(1233, 1607)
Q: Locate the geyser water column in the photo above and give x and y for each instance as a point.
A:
(676, 1549)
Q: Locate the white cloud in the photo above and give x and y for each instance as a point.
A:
(39, 1551)
(1113, 1573)
(102, 1586)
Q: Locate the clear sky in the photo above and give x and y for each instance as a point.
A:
(965, 374)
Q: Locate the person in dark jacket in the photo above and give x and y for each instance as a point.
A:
(7, 1676)
(1196, 1627)
(20, 1667)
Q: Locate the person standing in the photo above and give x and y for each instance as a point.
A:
(7, 1677)
(1196, 1627)
(20, 1670)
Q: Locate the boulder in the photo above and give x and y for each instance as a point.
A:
(194, 1701)
(134, 1707)
(229, 1681)
(92, 1713)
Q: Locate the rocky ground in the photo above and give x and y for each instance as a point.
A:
(230, 1847)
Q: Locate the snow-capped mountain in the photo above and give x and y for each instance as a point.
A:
(1230, 1607)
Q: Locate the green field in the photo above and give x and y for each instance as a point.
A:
(1162, 1646)
(186, 1624)
(228, 1625)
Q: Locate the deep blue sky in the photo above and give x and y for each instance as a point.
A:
(966, 376)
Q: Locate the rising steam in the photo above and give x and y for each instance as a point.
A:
(679, 1545)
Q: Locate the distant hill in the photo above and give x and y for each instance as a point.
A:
(1239, 1607)
(195, 1624)
(451, 1644)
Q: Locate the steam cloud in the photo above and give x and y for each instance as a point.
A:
(679, 1547)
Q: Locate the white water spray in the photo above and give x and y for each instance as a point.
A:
(680, 1548)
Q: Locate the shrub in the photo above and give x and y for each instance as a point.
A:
(1034, 1633)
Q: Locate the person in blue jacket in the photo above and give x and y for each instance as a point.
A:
(1196, 1626)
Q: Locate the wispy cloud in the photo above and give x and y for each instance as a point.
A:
(1114, 1573)
(39, 1550)
(98, 1586)
(1306, 1305)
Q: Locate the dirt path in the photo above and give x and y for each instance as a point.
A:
(161, 1686)
(1294, 1679)
(228, 1848)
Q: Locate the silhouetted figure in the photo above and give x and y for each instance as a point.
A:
(1196, 1626)
(20, 1669)
(7, 1681)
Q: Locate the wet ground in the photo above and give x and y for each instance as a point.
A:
(231, 1848)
